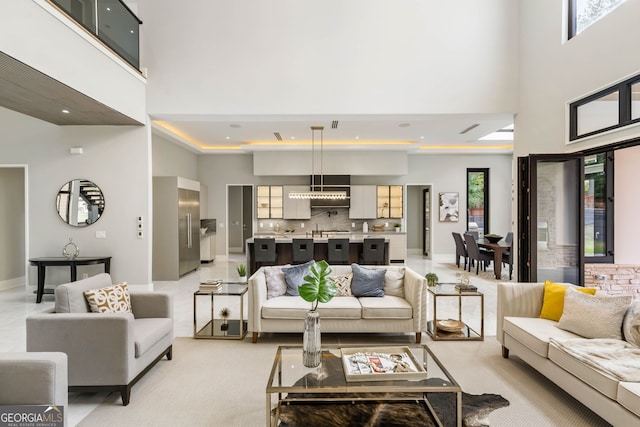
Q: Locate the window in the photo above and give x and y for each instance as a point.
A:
(608, 109)
(598, 207)
(478, 200)
(583, 13)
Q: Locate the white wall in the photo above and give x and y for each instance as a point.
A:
(553, 73)
(331, 56)
(170, 159)
(626, 206)
(116, 158)
(35, 33)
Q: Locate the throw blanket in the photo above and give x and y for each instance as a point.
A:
(617, 358)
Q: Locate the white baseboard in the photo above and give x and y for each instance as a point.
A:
(12, 283)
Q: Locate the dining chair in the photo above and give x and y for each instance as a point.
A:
(481, 257)
(461, 249)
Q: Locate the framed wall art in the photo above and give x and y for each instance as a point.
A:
(449, 207)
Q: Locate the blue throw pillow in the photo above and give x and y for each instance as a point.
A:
(366, 282)
(294, 276)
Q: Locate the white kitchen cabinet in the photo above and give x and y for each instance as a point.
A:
(363, 202)
(397, 246)
(296, 208)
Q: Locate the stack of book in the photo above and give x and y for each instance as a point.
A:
(211, 285)
(461, 287)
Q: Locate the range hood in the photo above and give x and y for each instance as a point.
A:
(331, 183)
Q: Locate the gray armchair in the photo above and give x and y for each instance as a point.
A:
(34, 379)
(106, 352)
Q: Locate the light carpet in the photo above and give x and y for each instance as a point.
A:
(222, 383)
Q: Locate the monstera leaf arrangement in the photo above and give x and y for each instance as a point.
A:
(318, 286)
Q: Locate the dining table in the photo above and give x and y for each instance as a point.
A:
(498, 249)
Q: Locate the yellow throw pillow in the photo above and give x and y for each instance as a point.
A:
(553, 302)
(112, 299)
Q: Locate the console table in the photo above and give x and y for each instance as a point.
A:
(72, 263)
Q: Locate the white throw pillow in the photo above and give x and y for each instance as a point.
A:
(394, 282)
(593, 316)
(631, 324)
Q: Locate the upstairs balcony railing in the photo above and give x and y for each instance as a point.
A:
(111, 21)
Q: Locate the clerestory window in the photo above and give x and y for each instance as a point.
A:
(583, 13)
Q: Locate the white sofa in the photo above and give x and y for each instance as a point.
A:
(402, 309)
(522, 333)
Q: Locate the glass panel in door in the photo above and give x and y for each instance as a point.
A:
(556, 217)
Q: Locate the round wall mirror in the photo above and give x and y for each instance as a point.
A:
(80, 203)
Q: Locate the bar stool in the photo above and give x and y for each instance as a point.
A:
(373, 251)
(338, 251)
(264, 251)
(302, 250)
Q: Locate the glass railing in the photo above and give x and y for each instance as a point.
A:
(111, 21)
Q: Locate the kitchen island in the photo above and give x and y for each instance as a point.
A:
(284, 247)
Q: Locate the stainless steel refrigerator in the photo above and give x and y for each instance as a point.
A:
(188, 230)
(176, 227)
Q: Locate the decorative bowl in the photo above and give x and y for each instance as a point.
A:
(493, 238)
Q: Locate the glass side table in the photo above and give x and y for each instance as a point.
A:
(455, 329)
(221, 327)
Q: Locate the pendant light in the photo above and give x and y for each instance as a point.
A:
(314, 194)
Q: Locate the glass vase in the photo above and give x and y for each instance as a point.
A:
(311, 340)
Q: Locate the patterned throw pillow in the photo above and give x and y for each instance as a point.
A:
(112, 299)
(343, 283)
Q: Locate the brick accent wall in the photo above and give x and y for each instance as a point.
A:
(618, 279)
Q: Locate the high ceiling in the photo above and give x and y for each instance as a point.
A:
(31, 92)
(413, 133)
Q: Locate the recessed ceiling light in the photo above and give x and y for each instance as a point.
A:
(228, 137)
(357, 137)
(66, 111)
(422, 137)
(293, 137)
(404, 125)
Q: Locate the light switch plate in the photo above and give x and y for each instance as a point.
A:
(101, 234)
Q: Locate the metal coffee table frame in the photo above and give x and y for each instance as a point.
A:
(288, 371)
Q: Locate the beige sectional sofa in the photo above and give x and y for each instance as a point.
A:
(402, 309)
(538, 342)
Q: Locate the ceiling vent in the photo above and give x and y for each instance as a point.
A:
(334, 124)
(473, 126)
(278, 137)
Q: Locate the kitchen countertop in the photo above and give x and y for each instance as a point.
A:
(353, 237)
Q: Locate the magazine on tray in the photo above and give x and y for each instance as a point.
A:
(378, 364)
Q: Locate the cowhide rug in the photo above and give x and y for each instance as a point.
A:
(475, 408)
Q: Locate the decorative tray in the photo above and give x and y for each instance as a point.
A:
(450, 325)
(381, 364)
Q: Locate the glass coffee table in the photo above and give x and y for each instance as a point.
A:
(292, 383)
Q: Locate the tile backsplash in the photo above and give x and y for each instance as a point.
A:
(325, 219)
